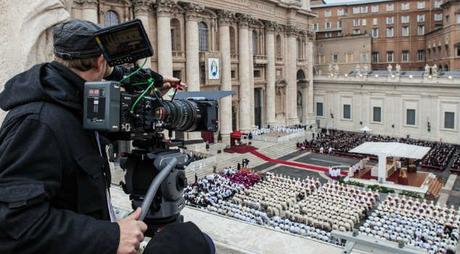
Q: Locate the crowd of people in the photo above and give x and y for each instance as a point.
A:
(414, 223)
(306, 207)
(343, 141)
(456, 163)
(276, 131)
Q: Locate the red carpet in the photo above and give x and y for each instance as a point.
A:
(292, 163)
(240, 149)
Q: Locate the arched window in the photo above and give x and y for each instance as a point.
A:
(232, 41)
(278, 46)
(300, 75)
(111, 18)
(203, 33)
(175, 35)
(255, 39)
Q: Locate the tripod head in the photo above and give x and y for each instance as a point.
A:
(155, 180)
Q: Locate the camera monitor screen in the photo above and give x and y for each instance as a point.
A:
(124, 43)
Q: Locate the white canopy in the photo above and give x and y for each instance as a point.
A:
(392, 149)
(365, 129)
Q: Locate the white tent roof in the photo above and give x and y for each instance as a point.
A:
(392, 149)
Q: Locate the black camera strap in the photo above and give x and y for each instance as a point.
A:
(107, 192)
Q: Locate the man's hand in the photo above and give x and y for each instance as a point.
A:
(171, 82)
(131, 233)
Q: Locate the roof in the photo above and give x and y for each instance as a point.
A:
(349, 3)
(392, 149)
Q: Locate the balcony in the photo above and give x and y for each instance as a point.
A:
(260, 59)
(178, 55)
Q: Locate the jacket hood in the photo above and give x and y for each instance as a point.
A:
(49, 82)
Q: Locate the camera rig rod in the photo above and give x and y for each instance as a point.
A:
(155, 185)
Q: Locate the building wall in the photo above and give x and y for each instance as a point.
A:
(429, 98)
(350, 53)
(363, 18)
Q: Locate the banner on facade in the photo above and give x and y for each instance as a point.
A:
(213, 68)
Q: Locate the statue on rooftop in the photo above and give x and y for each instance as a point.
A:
(398, 69)
(427, 71)
(390, 69)
(434, 70)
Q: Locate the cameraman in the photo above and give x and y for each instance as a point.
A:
(54, 175)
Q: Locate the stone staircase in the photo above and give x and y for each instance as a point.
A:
(272, 150)
(434, 188)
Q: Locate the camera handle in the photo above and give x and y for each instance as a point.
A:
(153, 188)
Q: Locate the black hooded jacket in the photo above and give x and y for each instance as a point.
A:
(53, 180)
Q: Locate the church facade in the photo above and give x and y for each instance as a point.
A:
(261, 50)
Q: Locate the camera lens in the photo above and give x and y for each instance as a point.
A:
(180, 115)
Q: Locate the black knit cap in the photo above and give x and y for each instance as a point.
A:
(74, 39)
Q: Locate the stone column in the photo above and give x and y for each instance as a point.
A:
(310, 101)
(164, 52)
(225, 18)
(244, 74)
(141, 12)
(271, 74)
(251, 77)
(291, 77)
(89, 11)
(192, 49)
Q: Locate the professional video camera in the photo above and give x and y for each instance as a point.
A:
(134, 108)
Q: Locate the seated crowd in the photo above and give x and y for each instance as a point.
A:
(307, 208)
(414, 223)
(276, 131)
(343, 141)
(456, 163)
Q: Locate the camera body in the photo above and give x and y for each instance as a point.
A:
(108, 109)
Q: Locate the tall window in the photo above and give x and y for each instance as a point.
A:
(390, 32)
(438, 17)
(410, 117)
(319, 109)
(375, 21)
(405, 56)
(278, 46)
(405, 19)
(346, 111)
(339, 24)
(405, 6)
(437, 4)
(327, 13)
(421, 30)
(375, 57)
(340, 12)
(405, 31)
(449, 120)
(420, 55)
(232, 41)
(364, 22)
(356, 10)
(374, 8)
(327, 25)
(175, 35)
(335, 57)
(390, 7)
(203, 35)
(255, 40)
(377, 114)
(421, 18)
(111, 18)
(390, 20)
(390, 56)
(375, 32)
(421, 5)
